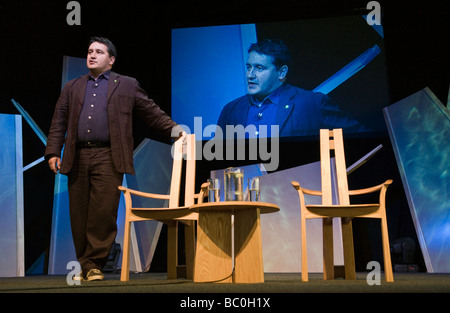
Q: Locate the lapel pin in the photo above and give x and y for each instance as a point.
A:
(286, 106)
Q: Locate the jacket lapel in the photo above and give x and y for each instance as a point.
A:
(81, 86)
(285, 105)
(114, 81)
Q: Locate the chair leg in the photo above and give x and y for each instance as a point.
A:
(328, 251)
(125, 271)
(304, 248)
(386, 251)
(172, 249)
(349, 254)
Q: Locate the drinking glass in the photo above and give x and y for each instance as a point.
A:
(234, 189)
(213, 190)
(254, 189)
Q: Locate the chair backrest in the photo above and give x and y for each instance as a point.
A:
(332, 141)
(183, 152)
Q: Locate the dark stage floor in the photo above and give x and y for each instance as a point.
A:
(274, 283)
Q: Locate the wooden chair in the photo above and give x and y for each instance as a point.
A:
(171, 215)
(333, 140)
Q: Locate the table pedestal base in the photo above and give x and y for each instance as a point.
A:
(213, 254)
(214, 258)
(213, 261)
(248, 267)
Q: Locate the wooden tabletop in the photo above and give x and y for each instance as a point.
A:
(236, 205)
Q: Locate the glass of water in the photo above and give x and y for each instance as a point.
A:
(254, 189)
(213, 190)
(234, 181)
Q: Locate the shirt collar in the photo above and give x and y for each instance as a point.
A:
(105, 75)
(273, 97)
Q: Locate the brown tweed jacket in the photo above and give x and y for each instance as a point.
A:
(125, 98)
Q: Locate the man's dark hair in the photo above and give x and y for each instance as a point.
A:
(276, 48)
(111, 48)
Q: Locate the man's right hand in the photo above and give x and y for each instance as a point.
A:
(54, 163)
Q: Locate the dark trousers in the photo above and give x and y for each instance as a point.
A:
(94, 201)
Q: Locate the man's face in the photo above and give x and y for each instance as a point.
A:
(98, 59)
(262, 75)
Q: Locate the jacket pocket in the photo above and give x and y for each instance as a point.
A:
(125, 106)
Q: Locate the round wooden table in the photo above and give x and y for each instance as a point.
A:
(213, 257)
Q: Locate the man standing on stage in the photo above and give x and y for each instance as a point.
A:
(93, 120)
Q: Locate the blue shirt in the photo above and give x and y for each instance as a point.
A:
(263, 112)
(93, 122)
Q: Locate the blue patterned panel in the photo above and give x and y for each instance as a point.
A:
(11, 197)
(419, 128)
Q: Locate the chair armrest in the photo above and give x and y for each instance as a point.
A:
(144, 194)
(370, 189)
(203, 193)
(296, 185)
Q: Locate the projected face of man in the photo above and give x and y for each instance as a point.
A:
(263, 77)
